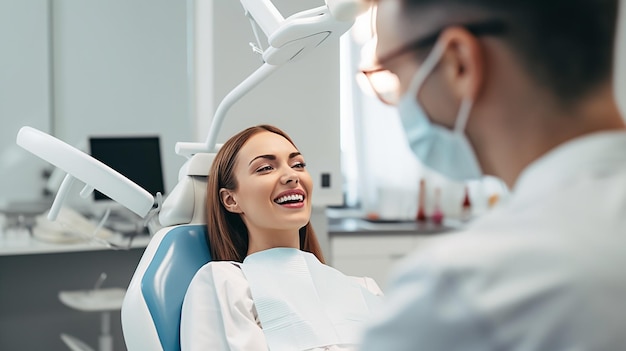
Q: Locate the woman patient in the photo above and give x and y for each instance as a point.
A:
(268, 287)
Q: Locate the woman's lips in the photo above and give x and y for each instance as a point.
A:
(291, 198)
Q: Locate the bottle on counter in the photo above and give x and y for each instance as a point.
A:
(466, 206)
(437, 216)
(420, 216)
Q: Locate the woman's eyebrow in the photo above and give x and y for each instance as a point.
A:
(269, 157)
(273, 157)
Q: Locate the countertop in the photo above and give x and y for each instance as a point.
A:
(359, 226)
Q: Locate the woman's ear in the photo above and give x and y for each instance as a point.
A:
(228, 200)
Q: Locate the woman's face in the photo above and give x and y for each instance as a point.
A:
(273, 186)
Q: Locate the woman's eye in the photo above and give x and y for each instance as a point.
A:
(264, 169)
(299, 165)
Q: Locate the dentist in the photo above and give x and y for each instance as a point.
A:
(521, 90)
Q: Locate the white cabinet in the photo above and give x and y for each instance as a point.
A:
(372, 255)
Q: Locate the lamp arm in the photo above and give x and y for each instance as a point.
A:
(265, 14)
(244, 87)
(188, 149)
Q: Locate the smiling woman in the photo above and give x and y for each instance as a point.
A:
(268, 288)
(252, 172)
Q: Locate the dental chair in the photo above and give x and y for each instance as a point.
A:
(152, 306)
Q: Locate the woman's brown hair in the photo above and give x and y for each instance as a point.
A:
(226, 232)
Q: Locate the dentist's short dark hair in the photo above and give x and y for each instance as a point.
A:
(567, 46)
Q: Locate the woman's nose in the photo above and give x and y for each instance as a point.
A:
(290, 177)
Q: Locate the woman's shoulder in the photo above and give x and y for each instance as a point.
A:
(369, 284)
(219, 272)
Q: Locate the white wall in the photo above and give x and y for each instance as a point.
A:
(120, 68)
(24, 93)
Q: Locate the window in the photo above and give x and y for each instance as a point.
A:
(382, 176)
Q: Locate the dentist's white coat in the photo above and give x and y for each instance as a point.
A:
(546, 271)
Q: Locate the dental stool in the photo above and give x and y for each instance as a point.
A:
(102, 300)
(152, 307)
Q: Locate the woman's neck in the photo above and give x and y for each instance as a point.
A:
(260, 240)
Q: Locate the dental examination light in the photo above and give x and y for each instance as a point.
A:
(287, 39)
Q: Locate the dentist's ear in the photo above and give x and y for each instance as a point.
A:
(463, 63)
(228, 200)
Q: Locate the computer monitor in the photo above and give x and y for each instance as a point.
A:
(138, 158)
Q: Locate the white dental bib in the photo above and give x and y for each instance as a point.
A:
(302, 303)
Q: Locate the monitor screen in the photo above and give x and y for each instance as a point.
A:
(137, 158)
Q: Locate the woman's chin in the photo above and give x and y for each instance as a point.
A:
(296, 223)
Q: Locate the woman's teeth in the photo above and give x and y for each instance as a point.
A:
(289, 198)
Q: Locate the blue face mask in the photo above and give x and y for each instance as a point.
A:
(437, 147)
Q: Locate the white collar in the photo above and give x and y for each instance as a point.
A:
(601, 151)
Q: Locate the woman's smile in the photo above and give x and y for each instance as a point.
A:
(293, 198)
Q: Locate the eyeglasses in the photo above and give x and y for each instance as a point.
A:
(386, 84)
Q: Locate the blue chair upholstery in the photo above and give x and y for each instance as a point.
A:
(164, 272)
